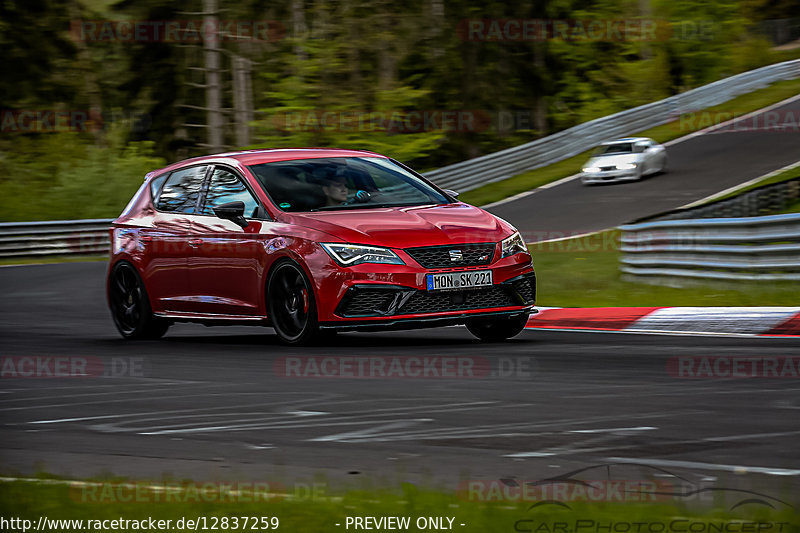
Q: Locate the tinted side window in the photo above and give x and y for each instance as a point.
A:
(156, 183)
(227, 187)
(181, 190)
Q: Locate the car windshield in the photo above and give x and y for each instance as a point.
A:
(343, 183)
(617, 148)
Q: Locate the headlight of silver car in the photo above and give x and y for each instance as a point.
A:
(626, 166)
(356, 254)
(513, 245)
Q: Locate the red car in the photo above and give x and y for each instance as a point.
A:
(310, 241)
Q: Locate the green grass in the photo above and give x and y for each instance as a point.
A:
(584, 272)
(30, 501)
(792, 208)
(531, 179)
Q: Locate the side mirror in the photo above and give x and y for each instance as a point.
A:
(233, 211)
(452, 193)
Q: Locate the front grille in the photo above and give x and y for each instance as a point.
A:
(366, 301)
(440, 256)
(433, 302)
(525, 287)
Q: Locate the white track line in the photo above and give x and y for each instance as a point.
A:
(740, 469)
(656, 332)
(612, 430)
(732, 320)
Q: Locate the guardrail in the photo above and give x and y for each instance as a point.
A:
(90, 237)
(55, 237)
(497, 166)
(751, 248)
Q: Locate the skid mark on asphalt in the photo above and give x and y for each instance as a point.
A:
(740, 469)
(186, 413)
(116, 384)
(328, 418)
(137, 399)
(351, 436)
(136, 394)
(520, 429)
(688, 390)
(316, 417)
(281, 417)
(586, 446)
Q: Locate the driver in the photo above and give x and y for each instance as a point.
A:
(334, 186)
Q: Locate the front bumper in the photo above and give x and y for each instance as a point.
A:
(423, 322)
(388, 294)
(369, 301)
(610, 176)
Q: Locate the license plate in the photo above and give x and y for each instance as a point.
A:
(458, 280)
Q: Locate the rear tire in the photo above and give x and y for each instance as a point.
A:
(496, 329)
(291, 305)
(130, 305)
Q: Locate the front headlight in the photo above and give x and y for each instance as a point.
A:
(591, 169)
(626, 166)
(356, 254)
(513, 245)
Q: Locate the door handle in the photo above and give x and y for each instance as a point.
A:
(195, 242)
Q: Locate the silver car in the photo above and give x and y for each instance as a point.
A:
(624, 160)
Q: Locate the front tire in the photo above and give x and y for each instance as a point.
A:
(496, 329)
(130, 305)
(291, 305)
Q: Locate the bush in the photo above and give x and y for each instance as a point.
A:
(62, 176)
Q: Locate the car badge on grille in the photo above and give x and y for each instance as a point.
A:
(456, 255)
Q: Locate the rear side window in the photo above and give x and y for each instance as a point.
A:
(156, 183)
(180, 192)
(226, 187)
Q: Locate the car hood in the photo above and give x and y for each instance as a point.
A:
(608, 160)
(405, 227)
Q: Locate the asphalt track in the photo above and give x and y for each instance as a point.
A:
(214, 403)
(211, 403)
(698, 167)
